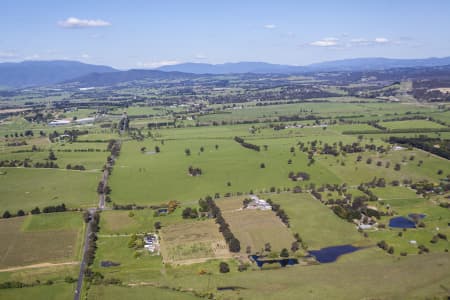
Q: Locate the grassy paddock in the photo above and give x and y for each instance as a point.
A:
(27, 188)
(46, 239)
(255, 228)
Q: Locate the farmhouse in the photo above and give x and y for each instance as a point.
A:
(257, 203)
(59, 122)
(151, 242)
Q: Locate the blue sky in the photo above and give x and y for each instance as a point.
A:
(146, 34)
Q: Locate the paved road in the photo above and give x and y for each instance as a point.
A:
(83, 260)
(101, 206)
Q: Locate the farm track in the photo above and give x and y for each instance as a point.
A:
(41, 265)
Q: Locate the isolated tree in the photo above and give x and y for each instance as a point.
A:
(202, 149)
(51, 155)
(157, 150)
(216, 146)
(187, 151)
(157, 225)
(143, 149)
(295, 246)
(267, 247)
(224, 268)
(234, 245)
(284, 252)
(20, 213)
(6, 215)
(262, 165)
(397, 167)
(35, 211)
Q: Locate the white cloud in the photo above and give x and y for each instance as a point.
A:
(32, 57)
(157, 64)
(200, 56)
(8, 55)
(270, 26)
(81, 23)
(85, 56)
(326, 42)
(381, 40)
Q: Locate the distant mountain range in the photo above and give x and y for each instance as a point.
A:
(39, 73)
(356, 64)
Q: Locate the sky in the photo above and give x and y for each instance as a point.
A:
(148, 34)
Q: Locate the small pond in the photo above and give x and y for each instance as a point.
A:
(401, 222)
(330, 254)
(260, 261)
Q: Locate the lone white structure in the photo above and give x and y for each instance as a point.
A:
(257, 203)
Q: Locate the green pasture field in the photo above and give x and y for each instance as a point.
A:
(57, 291)
(41, 238)
(27, 188)
(353, 172)
(330, 109)
(131, 269)
(154, 178)
(137, 292)
(316, 224)
(78, 155)
(344, 279)
(255, 228)
(411, 124)
(404, 202)
(196, 241)
(141, 221)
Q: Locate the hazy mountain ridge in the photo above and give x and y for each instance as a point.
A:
(37, 73)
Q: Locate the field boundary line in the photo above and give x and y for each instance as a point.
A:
(41, 265)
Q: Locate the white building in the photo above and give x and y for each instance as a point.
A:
(59, 122)
(257, 203)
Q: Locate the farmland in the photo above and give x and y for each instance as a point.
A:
(182, 170)
(255, 228)
(59, 237)
(197, 241)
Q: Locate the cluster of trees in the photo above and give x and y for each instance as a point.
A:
(80, 150)
(27, 163)
(214, 211)
(19, 284)
(299, 176)
(35, 211)
(92, 239)
(72, 134)
(128, 207)
(398, 130)
(75, 167)
(425, 187)
(437, 237)
(124, 123)
(189, 213)
(279, 212)
(27, 133)
(247, 145)
(194, 171)
(17, 143)
(425, 143)
(383, 245)
(103, 189)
